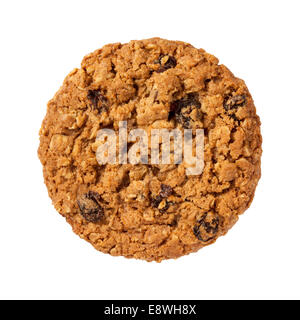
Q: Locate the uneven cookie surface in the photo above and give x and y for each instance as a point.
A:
(151, 212)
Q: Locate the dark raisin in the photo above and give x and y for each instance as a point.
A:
(234, 117)
(160, 201)
(231, 103)
(97, 99)
(170, 63)
(166, 206)
(184, 120)
(162, 204)
(156, 201)
(90, 208)
(206, 228)
(182, 108)
(192, 99)
(165, 190)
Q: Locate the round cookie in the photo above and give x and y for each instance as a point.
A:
(151, 211)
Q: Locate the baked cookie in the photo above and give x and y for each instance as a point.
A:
(151, 211)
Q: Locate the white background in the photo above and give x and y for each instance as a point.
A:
(40, 257)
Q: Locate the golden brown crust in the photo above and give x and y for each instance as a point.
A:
(151, 212)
